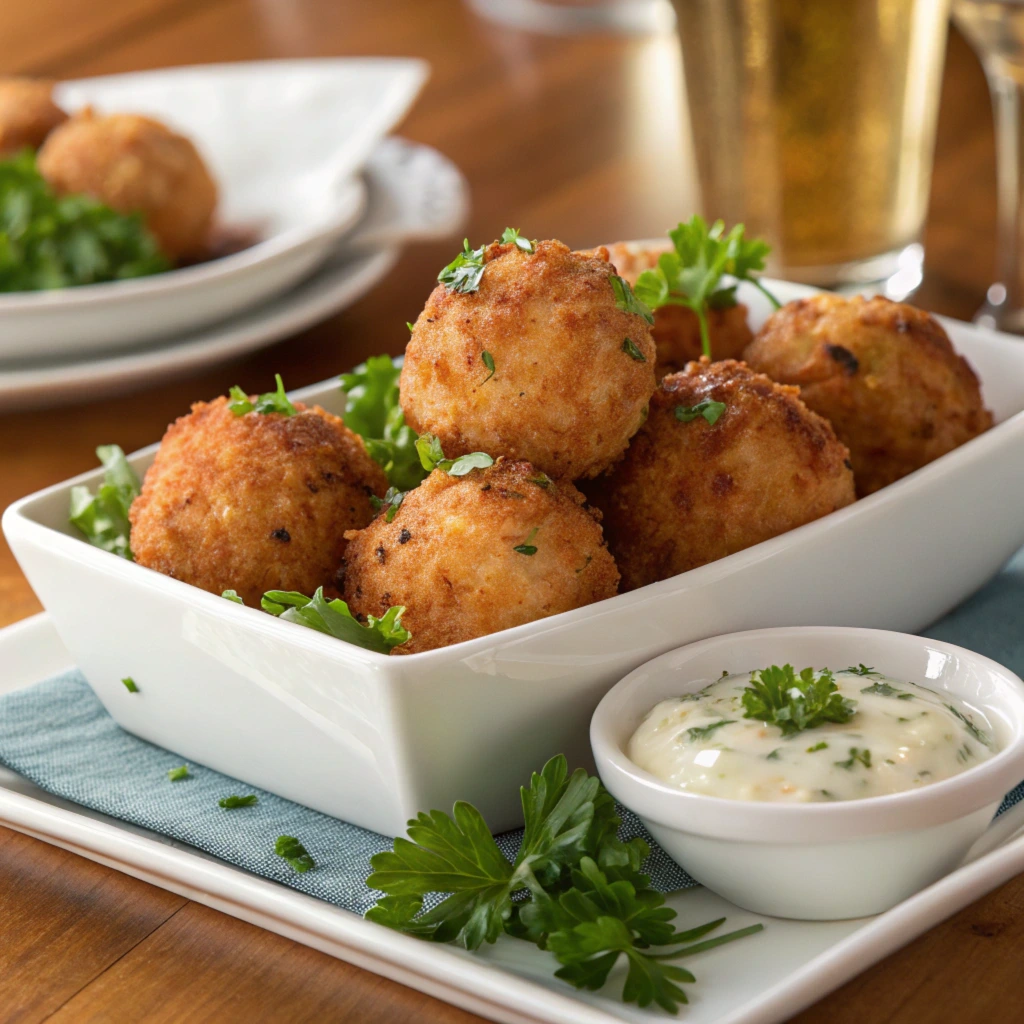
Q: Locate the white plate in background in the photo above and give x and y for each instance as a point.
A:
(414, 194)
(285, 141)
(760, 980)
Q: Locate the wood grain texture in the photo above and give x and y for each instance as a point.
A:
(571, 138)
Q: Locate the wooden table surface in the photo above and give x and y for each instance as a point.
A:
(567, 138)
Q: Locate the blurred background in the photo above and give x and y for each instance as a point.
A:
(816, 122)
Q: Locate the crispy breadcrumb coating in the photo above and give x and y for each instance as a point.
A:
(27, 114)
(136, 164)
(676, 329)
(885, 375)
(566, 392)
(255, 502)
(450, 555)
(688, 493)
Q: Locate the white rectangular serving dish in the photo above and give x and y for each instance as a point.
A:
(761, 980)
(375, 739)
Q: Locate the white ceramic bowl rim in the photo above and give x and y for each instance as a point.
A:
(941, 801)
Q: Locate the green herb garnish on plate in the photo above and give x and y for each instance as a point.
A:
(691, 273)
(778, 696)
(335, 619)
(102, 518)
(295, 853)
(231, 802)
(373, 411)
(573, 888)
(179, 773)
(49, 241)
(129, 684)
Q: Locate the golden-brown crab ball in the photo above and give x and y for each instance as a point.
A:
(136, 164)
(254, 502)
(572, 371)
(690, 491)
(676, 330)
(884, 373)
(27, 114)
(471, 555)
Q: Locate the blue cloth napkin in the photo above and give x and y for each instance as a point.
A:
(57, 734)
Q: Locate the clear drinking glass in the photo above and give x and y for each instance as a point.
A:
(996, 31)
(813, 122)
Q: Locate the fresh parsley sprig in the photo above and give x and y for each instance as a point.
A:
(269, 402)
(578, 888)
(335, 619)
(373, 411)
(102, 518)
(691, 273)
(298, 857)
(778, 696)
(432, 457)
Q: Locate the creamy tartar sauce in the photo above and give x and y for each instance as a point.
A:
(902, 736)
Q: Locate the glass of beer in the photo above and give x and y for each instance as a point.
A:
(813, 122)
(996, 31)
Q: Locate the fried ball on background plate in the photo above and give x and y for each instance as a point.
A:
(254, 502)
(27, 114)
(136, 164)
(676, 330)
(883, 373)
(690, 491)
(572, 372)
(475, 554)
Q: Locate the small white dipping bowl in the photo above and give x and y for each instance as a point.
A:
(817, 861)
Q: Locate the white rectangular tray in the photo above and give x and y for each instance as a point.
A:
(760, 980)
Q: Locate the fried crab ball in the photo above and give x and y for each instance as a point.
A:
(538, 363)
(676, 330)
(135, 164)
(471, 555)
(254, 502)
(27, 114)
(690, 491)
(884, 373)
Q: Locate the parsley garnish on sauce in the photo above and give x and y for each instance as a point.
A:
(129, 684)
(177, 774)
(691, 273)
(230, 802)
(295, 853)
(630, 348)
(778, 696)
(272, 401)
(968, 724)
(373, 411)
(49, 241)
(335, 619)
(578, 889)
(857, 756)
(432, 457)
(861, 670)
(711, 411)
(883, 689)
(703, 732)
(102, 518)
(626, 299)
